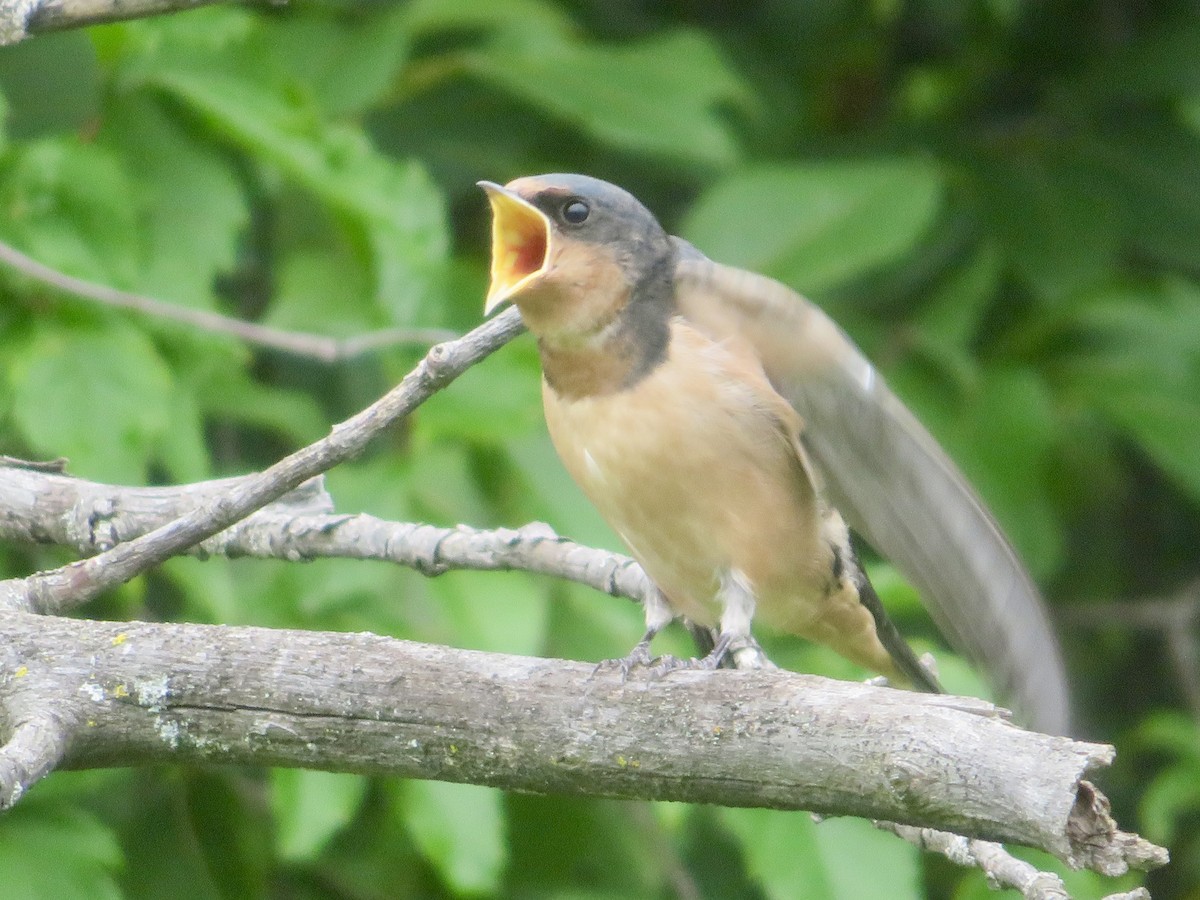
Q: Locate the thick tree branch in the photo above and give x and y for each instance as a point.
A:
(75, 584)
(364, 703)
(50, 507)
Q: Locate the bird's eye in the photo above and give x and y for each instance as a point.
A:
(575, 212)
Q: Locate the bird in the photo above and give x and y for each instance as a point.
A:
(732, 434)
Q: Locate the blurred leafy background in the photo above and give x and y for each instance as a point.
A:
(999, 199)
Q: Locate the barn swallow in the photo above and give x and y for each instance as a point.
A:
(719, 422)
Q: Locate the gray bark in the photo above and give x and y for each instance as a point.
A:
(21, 18)
(129, 693)
(38, 506)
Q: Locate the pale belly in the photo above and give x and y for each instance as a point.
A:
(701, 479)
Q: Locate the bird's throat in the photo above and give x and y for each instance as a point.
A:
(603, 334)
(608, 361)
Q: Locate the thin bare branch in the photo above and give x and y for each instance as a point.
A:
(1001, 867)
(20, 19)
(298, 343)
(34, 747)
(35, 465)
(78, 582)
(41, 507)
(1175, 618)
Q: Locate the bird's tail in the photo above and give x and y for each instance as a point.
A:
(918, 675)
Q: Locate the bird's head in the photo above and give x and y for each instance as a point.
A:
(572, 252)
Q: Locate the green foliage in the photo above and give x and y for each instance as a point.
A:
(998, 200)
(310, 807)
(460, 829)
(566, 78)
(50, 848)
(790, 855)
(117, 410)
(830, 221)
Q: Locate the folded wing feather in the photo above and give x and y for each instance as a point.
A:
(891, 481)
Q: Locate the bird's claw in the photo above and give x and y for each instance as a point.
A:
(667, 664)
(657, 667)
(664, 665)
(638, 658)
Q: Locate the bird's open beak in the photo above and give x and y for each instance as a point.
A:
(520, 241)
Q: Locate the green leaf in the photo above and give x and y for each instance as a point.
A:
(211, 590)
(532, 17)
(71, 206)
(195, 209)
(293, 414)
(497, 400)
(1135, 357)
(1156, 64)
(54, 850)
(660, 96)
(310, 807)
(444, 488)
(1169, 801)
(348, 60)
(572, 846)
(551, 496)
(100, 397)
(393, 206)
(952, 315)
(460, 830)
(1047, 209)
(323, 292)
(163, 857)
(1149, 164)
(230, 826)
(501, 612)
(791, 856)
(51, 85)
(817, 225)
(1189, 112)
(1170, 732)
(182, 448)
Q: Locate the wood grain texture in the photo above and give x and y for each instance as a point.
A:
(132, 693)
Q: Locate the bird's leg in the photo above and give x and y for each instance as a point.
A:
(658, 616)
(665, 664)
(734, 641)
(747, 653)
(639, 657)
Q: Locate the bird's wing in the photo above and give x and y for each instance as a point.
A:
(891, 481)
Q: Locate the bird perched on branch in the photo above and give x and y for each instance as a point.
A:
(719, 422)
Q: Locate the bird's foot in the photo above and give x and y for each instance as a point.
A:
(739, 652)
(747, 653)
(638, 658)
(664, 665)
